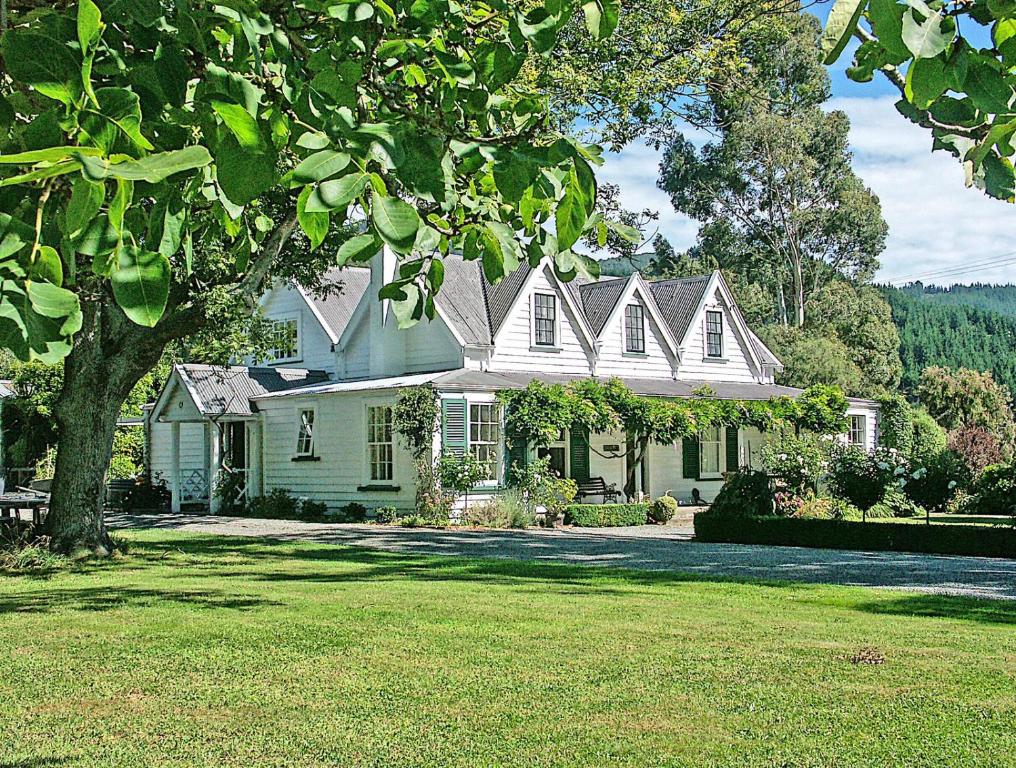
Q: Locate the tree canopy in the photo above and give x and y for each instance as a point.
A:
(951, 82)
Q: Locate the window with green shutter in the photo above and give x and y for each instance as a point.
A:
(733, 451)
(579, 449)
(518, 458)
(690, 458)
(453, 426)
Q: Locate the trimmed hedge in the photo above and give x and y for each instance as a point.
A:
(606, 515)
(978, 541)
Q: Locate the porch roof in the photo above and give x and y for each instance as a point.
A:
(228, 390)
(465, 379)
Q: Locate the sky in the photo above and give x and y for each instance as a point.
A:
(939, 230)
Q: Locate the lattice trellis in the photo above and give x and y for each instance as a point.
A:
(193, 484)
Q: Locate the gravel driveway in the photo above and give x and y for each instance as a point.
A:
(654, 548)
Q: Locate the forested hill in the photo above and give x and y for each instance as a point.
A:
(995, 298)
(952, 327)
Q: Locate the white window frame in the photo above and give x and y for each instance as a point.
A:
(369, 469)
(497, 444)
(300, 432)
(297, 319)
(556, 344)
(705, 334)
(852, 429)
(642, 331)
(720, 452)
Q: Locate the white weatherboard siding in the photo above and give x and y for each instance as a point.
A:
(514, 348)
(315, 347)
(430, 346)
(193, 453)
(735, 365)
(870, 414)
(355, 359)
(613, 360)
(340, 444)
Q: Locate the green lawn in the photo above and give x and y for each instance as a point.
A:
(199, 650)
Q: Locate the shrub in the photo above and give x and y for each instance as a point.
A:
(842, 534)
(353, 512)
(746, 493)
(277, 504)
(32, 557)
(312, 511)
(433, 503)
(977, 446)
(828, 508)
(663, 510)
(863, 478)
(147, 495)
(895, 503)
(788, 504)
(386, 515)
(540, 487)
(937, 481)
(506, 510)
(229, 491)
(929, 440)
(797, 461)
(995, 490)
(606, 515)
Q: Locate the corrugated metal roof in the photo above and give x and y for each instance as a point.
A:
(598, 300)
(228, 390)
(336, 304)
(462, 299)
(500, 297)
(765, 354)
(678, 299)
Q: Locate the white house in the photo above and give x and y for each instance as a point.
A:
(316, 419)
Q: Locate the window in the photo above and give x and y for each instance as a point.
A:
(485, 436)
(557, 452)
(544, 319)
(305, 437)
(711, 449)
(380, 447)
(284, 341)
(857, 432)
(634, 328)
(714, 334)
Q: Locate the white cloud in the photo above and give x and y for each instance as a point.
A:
(935, 223)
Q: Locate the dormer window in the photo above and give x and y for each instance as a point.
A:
(634, 329)
(284, 342)
(544, 320)
(714, 334)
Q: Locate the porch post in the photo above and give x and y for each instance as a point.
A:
(253, 459)
(213, 463)
(174, 467)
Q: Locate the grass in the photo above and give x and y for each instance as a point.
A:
(992, 521)
(197, 650)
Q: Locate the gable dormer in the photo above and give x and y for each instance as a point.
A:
(632, 334)
(541, 327)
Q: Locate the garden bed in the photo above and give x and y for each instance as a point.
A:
(979, 541)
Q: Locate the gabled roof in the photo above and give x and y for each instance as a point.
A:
(463, 300)
(679, 300)
(228, 390)
(500, 297)
(765, 354)
(599, 299)
(334, 306)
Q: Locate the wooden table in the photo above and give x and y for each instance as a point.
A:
(12, 504)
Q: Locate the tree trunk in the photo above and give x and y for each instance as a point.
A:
(110, 356)
(798, 293)
(635, 454)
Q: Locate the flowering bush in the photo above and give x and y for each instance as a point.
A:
(864, 478)
(788, 504)
(433, 502)
(747, 493)
(797, 461)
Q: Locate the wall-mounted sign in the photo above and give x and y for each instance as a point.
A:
(612, 448)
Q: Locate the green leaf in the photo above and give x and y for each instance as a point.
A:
(42, 62)
(153, 169)
(242, 125)
(359, 248)
(999, 180)
(510, 250)
(351, 11)
(86, 200)
(408, 310)
(887, 22)
(141, 284)
(396, 221)
(121, 202)
(571, 214)
(987, 88)
(601, 17)
(539, 26)
(89, 24)
(337, 193)
(14, 235)
(46, 172)
(243, 175)
(48, 155)
(840, 26)
(168, 219)
(320, 166)
(119, 114)
(513, 175)
(925, 39)
(48, 266)
(926, 81)
(314, 225)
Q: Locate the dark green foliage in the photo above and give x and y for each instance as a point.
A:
(416, 418)
(662, 510)
(277, 504)
(991, 298)
(747, 493)
(843, 534)
(864, 479)
(386, 515)
(353, 512)
(936, 332)
(995, 491)
(606, 515)
(896, 426)
(146, 495)
(938, 480)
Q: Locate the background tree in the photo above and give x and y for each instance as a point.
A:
(158, 159)
(963, 397)
(950, 81)
(779, 181)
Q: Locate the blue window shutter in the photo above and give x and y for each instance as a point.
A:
(454, 426)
